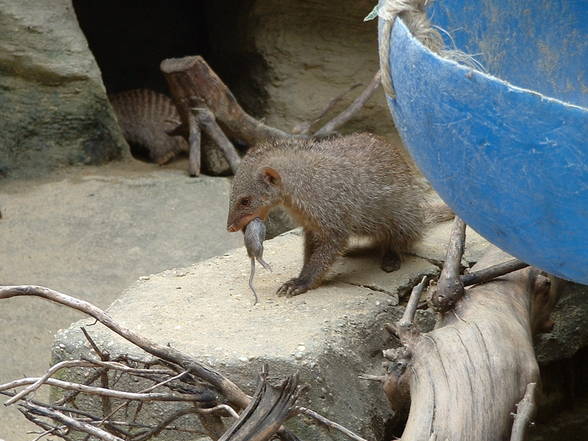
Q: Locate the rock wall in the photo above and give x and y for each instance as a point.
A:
(53, 107)
(314, 51)
(284, 60)
(287, 60)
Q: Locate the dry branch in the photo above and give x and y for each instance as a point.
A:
(525, 411)
(195, 142)
(328, 423)
(91, 390)
(466, 376)
(492, 272)
(208, 123)
(330, 127)
(449, 287)
(70, 422)
(147, 434)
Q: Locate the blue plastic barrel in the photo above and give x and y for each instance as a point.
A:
(506, 149)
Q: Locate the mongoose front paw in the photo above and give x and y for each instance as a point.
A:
(293, 287)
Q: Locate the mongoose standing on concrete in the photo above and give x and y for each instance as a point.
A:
(338, 188)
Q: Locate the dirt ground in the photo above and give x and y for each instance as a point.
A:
(91, 232)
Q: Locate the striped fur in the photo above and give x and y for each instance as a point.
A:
(146, 117)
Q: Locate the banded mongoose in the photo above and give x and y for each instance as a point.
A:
(336, 188)
(148, 119)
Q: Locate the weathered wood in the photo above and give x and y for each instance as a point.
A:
(208, 123)
(195, 141)
(525, 411)
(466, 376)
(492, 272)
(449, 288)
(269, 408)
(193, 83)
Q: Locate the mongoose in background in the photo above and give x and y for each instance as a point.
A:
(337, 188)
(147, 119)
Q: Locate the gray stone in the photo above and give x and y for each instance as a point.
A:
(53, 106)
(569, 333)
(330, 335)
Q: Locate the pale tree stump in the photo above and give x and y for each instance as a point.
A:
(465, 378)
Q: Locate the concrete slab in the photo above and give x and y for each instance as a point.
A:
(331, 334)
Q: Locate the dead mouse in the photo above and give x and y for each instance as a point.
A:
(254, 237)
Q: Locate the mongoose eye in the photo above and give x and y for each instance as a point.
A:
(245, 202)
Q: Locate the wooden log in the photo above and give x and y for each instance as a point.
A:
(449, 288)
(193, 83)
(195, 141)
(466, 376)
(208, 123)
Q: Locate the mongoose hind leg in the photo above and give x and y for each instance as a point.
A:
(391, 260)
(322, 252)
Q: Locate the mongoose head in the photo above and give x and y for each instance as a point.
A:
(256, 189)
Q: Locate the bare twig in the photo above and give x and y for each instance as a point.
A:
(88, 417)
(48, 432)
(143, 436)
(492, 272)
(191, 78)
(195, 141)
(449, 288)
(235, 395)
(525, 411)
(368, 377)
(149, 389)
(404, 328)
(413, 302)
(221, 409)
(70, 422)
(33, 387)
(44, 425)
(104, 355)
(77, 363)
(208, 123)
(124, 368)
(101, 391)
(104, 380)
(353, 108)
(329, 423)
(69, 410)
(304, 127)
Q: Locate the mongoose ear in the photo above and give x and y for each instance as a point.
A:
(271, 176)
